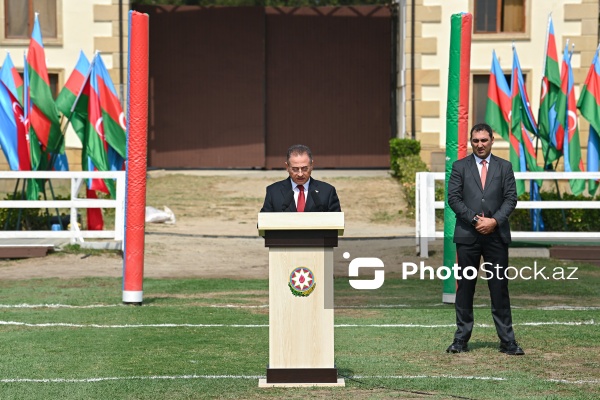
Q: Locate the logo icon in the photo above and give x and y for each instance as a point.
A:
(365, 262)
(302, 282)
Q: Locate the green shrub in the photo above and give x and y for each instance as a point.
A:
(400, 149)
(410, 165)
(30, 219)
(405, 162)
(27, 218)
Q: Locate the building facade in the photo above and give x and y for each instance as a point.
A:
(497, 25)
(423, 29)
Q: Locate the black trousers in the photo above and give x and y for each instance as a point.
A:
(494, 252)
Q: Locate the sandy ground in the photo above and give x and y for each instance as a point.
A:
(215, 233)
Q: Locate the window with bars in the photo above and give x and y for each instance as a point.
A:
(497, 16)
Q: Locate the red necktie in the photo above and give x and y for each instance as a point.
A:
(483, 173)
(301, 199)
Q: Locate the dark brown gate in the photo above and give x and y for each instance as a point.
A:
(233, 87)
(206, 87)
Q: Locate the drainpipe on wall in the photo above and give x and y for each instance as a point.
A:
(413, 122)
(394, 78)
(401, 69)
(121, 68)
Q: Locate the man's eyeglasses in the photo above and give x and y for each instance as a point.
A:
(298, 169)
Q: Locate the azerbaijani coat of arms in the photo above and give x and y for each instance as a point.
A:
(302, 282)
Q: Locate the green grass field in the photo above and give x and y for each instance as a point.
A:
(208, 338)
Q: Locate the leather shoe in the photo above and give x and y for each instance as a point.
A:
(457, 346)
(511, 348)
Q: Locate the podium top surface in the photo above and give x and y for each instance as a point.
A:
(300, 221)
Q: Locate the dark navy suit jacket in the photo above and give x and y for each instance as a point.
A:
(467, 198)
(321, 197)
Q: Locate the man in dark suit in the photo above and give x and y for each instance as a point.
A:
(300, 193)
(482, 192)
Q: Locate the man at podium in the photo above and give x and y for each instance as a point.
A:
(300, 193)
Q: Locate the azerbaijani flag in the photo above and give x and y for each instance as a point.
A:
(550, 89)
(44, 120)
(8, 128)
(69, 93)
(72, 101)
(13, 84)
(113, 117)
(522, 118)
(557, 134)
(568, 120)
(498, 113)
(33, 144)
(498, 108)
(528, 153)
(11, 78)
(97, 145)
(521, 107)
(12, 123)
(589, 106)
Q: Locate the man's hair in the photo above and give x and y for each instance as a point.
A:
(299, 149)
(481, 127)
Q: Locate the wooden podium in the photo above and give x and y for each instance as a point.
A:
(301, 297)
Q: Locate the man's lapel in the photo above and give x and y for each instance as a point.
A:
(286, 186)
(313, 184)
(472, 166)
(493, 169)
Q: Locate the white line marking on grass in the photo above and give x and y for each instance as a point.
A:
(590, 322)
(252, 377)
(120, 305)
(235, 306)
(393, 326)
(62, 324)
(568, 308)
(56, 306)
(483, 378)
(128, 378)
(375, 306)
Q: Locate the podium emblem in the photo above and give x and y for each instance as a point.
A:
(302, 282)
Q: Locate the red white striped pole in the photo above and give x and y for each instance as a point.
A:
(137, 143)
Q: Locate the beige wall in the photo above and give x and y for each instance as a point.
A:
(576, 20)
